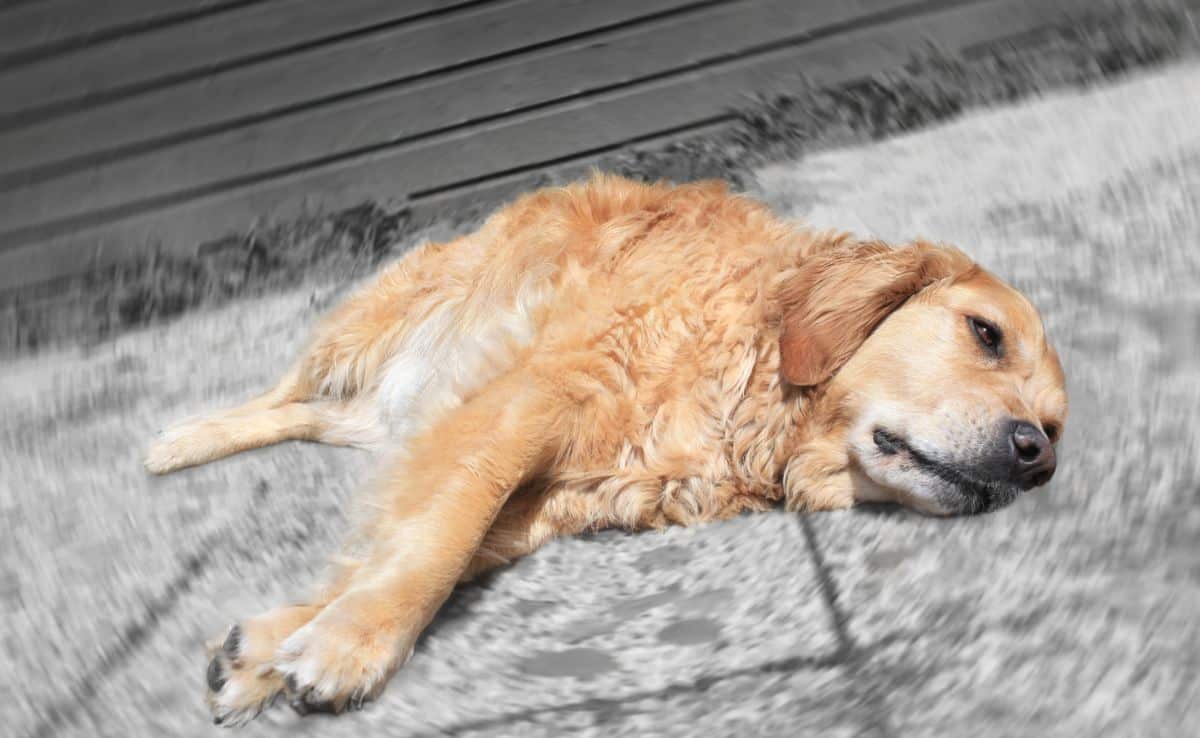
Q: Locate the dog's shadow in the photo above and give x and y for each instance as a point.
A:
(882, 510)
(465, 598)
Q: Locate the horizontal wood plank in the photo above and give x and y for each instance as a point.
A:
(320, 72)
(206, 43)
(526, 140)
(26, 28)
(673, 44)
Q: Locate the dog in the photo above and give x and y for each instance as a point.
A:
(613, 353)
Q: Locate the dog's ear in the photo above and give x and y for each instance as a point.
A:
(842, 294)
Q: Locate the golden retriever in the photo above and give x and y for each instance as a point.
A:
(618, 354)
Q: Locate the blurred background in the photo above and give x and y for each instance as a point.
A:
(186, 185)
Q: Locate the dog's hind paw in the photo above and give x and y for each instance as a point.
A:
(187, 443)
(170, 451)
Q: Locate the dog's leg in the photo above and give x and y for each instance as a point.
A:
(437, 504)
(241, 675)
(349, 347)
(345, 357)
(250, 426)
(276, 415)
(522, 526)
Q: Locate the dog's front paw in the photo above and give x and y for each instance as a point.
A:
(241, 678)
(342, 658)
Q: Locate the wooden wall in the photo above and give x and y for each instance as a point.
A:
(131, 123)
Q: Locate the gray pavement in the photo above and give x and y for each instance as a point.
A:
(1073, 612)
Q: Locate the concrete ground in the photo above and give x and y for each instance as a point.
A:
(1073, 612)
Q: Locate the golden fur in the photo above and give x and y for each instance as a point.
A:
(615, 354)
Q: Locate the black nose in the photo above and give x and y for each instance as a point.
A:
(1033, 456)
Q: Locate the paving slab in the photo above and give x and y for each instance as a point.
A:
(1074, 611)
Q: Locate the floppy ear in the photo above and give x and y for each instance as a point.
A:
(842, 294)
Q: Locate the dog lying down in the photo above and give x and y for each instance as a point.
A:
(618, 354)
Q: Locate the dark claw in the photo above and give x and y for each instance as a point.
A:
(293, 687)
(215, 675)
(305, 703)
(233, 642)
(217, 720)
(327, 707)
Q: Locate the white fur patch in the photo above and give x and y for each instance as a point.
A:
(452, 354)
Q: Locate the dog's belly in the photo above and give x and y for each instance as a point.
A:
(447, 357)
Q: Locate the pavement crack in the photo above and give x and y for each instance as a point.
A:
(829, 589)
(132, 637)
(616, 705)
(853, 656)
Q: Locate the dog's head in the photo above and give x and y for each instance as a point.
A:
(935, 377)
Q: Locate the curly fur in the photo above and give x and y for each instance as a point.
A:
(603, 354)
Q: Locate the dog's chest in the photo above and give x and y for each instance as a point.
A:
(701, 445)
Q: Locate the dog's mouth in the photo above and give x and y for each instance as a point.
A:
(974, 495)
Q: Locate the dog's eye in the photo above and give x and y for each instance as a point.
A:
(988, 334)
